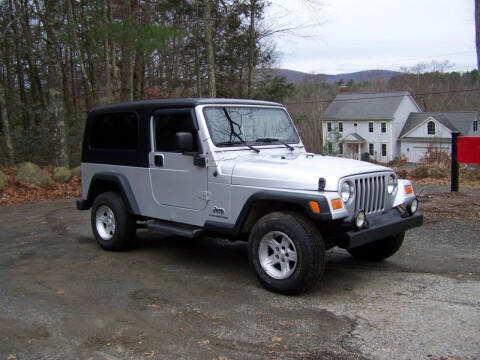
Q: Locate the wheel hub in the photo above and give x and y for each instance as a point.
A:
(277, 255)
(105, 222)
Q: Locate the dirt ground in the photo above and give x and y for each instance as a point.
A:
(62, 297)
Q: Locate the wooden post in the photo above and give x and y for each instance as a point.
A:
(454, 173)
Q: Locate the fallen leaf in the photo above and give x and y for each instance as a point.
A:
(276, 339)
(60, 292)
(153, 306)
(204, 342)
(12, 357)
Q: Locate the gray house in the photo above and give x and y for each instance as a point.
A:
(390, 125)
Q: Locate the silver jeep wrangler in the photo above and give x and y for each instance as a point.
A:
(237, 169)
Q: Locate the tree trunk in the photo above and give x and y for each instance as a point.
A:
(76, 46)
(6, 128)
(251, 49)
(55, 101)
(477, 31)
(207, 18)
(197, 52)
(108, 74)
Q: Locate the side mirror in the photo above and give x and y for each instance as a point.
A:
(184, 141)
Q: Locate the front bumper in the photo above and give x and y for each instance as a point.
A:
(391, 223)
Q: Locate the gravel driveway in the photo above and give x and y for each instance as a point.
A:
(62, 297)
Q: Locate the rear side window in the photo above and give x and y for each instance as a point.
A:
(115, 131)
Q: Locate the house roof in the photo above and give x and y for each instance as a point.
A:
(453, 120)
(353, 138)
(365, 105)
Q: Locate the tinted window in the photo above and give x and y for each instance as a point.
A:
(115, 131)
(167, 125)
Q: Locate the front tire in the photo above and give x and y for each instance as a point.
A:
(378, 250)
(112, 225)
(286, 252)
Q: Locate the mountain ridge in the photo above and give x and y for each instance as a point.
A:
(297, 77)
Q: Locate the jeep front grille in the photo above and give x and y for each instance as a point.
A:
(370, 193)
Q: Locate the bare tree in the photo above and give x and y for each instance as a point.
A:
(477, 31)
(207, 18)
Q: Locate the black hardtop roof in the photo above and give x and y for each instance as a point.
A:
(151, 105)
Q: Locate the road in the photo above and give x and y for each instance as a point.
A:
(62, 297)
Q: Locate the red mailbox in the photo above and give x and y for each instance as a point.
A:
(468, 149)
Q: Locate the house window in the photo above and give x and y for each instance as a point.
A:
(384, 127)
(370, 127)
(340, 127)
(475, 126)
(384, 149)
(431, 128)
(329, 126)
(340, 148)
(371, 149)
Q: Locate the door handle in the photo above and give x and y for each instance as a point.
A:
(158, 160)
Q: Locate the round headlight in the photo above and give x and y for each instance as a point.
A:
(346, 191)
(391, 184)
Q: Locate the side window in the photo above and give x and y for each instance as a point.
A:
(371, 149)
(329, 126)
(384, 127)
(384, 149)
(165, 126)
(340, 127)
(117, 131)
(370, 127)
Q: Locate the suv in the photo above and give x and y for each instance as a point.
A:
(238, 169)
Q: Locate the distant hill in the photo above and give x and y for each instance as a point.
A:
(297, 77)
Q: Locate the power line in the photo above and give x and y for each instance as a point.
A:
(381, 97)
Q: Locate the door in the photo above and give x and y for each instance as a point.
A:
(176, 180)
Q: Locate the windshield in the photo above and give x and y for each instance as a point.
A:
(249, 125)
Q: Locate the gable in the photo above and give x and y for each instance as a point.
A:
(421, 130)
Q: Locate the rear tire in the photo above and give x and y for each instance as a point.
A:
(286, 252)
(112, 225)
(378, 250)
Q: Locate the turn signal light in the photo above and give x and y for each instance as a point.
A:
(314, 206)
(337, 204)
(408, 189)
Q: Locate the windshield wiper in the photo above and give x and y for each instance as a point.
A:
(233, 132)
(273, 139)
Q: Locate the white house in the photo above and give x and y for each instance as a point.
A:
(368, 122)
(390, 125)
(435, 129)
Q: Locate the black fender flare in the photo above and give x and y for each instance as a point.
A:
(277, 196)
(123, 184)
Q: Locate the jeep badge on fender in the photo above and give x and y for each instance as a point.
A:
(238, 169)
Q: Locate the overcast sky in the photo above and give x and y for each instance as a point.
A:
(354, 35)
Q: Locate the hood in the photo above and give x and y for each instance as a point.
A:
(293, 171)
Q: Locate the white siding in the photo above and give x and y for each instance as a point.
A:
(421, 131)
(400, 117)
(415, 150)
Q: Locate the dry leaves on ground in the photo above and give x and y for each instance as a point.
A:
(18, 192)
(457, 206)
